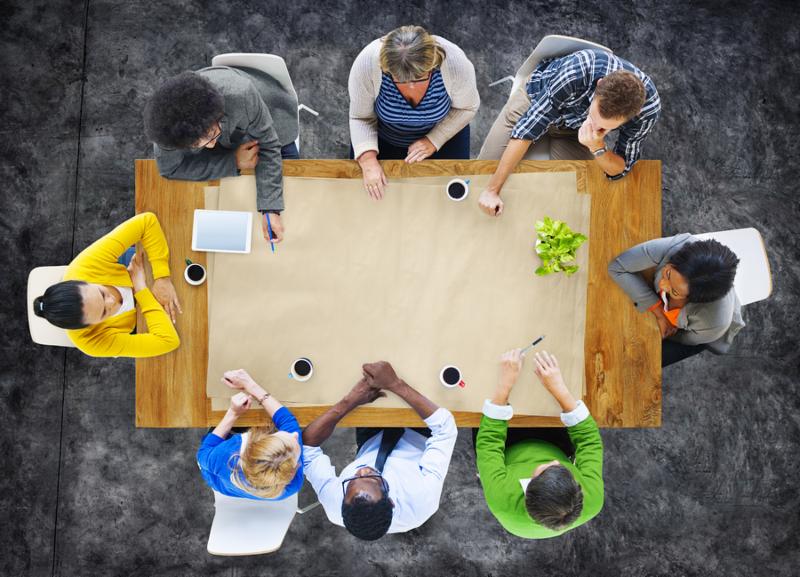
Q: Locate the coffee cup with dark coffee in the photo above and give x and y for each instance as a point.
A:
(194, 273)
(301, 369)
(450, 376)
(457, 189)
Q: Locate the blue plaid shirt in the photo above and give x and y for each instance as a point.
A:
(562, 89)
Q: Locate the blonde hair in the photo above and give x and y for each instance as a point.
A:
(409, 53)
(267, 464)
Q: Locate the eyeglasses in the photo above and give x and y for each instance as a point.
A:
(384, 484)
(210, 140)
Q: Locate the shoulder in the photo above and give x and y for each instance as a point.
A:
(369, 57)
(232, 83)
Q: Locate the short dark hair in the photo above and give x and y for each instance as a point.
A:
(182, 111)
(554, 499)
(709, 267)
(620, 95)
(366, 519)
(62, 305)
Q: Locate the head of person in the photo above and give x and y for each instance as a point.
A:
(75, 304)
(409, 54)
(700, 272)
(618, 97)
(268, 463)
(367, 509)
(184, 113)
(553, 497)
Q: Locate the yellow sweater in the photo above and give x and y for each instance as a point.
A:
(98, 264)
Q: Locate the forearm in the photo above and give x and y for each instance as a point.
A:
(321, 428)
(420, 403)
(223, 429)
(514, 152)
(610, 162)
(564, 398)
(269, 403)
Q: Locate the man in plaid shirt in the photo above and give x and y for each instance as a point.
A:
(577, 101)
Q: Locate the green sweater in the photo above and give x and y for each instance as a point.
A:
(501, 471)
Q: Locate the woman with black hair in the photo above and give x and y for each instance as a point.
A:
(96, 301)
(687, 284)
(217, 121)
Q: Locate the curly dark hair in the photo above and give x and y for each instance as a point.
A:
(554, 499)
(709, 267)
(366, 519)
(182, 111)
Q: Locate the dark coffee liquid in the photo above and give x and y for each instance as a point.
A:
(302, 368)
(456, 190)
(451, 376)
(195, 272)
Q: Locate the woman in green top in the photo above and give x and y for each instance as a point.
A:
(533, 489)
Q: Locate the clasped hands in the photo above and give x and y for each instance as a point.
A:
(163, 289)
(377, 378)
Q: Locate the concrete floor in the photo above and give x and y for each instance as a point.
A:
(712, 492)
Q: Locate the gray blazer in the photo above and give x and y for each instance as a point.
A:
(714, 324)
(250, 97)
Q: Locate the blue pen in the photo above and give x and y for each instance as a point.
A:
(269, 231)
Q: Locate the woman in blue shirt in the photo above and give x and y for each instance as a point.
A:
(263, 463)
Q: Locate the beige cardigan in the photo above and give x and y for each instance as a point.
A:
(364, 84)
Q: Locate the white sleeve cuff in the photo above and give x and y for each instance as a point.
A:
(500, 412)
(577, 415)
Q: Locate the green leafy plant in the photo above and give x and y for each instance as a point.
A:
(556, 245)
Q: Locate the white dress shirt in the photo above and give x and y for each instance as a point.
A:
(128, 304)
(415, 471)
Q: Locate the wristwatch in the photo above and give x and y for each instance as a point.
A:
(263, 398)
(600, 151)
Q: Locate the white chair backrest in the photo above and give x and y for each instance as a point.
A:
(271, 64)
(249, 527)
(753, 280)
(551, 46)
(42, 332)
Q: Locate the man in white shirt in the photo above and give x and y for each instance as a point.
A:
(396, 480)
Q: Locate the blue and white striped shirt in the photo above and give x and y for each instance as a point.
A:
(562, 89)
(401, 124)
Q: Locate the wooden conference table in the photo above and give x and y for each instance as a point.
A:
(622, 347)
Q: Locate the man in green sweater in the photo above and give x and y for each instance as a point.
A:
(531, 486)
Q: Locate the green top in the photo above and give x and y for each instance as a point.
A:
(501, 471)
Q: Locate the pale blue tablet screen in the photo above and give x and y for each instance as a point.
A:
(219, 230)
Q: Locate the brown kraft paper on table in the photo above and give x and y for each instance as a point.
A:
(414, 279)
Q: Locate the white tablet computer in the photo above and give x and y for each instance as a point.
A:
(221, 231)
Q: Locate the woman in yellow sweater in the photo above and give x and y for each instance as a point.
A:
(95, 301)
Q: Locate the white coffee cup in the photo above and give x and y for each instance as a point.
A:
(298, 368)
(449, 378)
(194, 278)
(462, 182)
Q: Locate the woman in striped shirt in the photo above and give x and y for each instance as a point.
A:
(412, 96)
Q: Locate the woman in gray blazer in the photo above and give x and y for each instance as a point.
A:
(687, 284)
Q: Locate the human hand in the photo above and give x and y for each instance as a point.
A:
(589, 137)
(549, 373)
(510, 366)
(666, 328)
(381, 375)
(136, 272)
(165, 294)
(240, 379)
(420, 150)
(240, 404)
(277, 227)
(247, 155)
(490, 203)
(363, 393)
(372, 172)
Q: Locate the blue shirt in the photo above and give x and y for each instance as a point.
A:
(401, 124)
(562, 89)
(216, 461)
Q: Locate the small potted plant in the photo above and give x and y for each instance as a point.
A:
(556, 244)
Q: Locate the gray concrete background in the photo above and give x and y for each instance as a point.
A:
(712, 492)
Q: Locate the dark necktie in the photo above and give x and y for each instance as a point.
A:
(388, 443)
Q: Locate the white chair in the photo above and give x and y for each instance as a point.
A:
(42, 332)
(271, 64)
(753, 280)
(250, 527)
